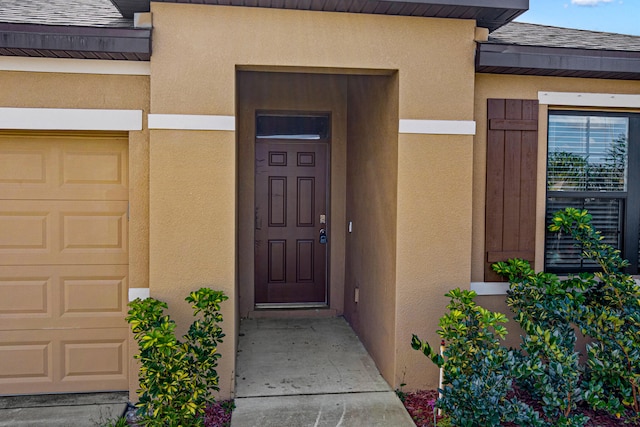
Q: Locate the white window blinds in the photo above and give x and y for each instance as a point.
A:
(587, 153)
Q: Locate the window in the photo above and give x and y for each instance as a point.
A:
(593, 163)
(280, 126)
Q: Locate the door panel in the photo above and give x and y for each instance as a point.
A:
(71, 360)
(53, 168)
(53, 232)
(291, 194)
(63, 296)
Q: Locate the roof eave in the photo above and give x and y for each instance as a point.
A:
(491, 14)
(128, 8)
(55, 41)
(497, 58)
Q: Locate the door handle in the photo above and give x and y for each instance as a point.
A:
(323, 236)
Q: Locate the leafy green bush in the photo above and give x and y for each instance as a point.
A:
(176, 377)
(610, 315)
(476, 367)
(604, 306)
(548, 365)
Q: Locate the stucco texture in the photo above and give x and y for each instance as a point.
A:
(197, 48)
(372, 185)
(192, 227)
(434, 208)
(199, 51)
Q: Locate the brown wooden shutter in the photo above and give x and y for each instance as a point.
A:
(512, 151)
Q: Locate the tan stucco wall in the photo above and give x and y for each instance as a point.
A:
(372, 185)
(523, 87)
(433, 59)
(290, 92)
(192, 227)
(193, 76)
(434, 208)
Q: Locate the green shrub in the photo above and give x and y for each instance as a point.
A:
(476, 366)
(176, 377)
(610, 315)
(604, 306)
(548, 365)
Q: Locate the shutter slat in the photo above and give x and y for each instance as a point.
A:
(501, 256)
(495, 182)
(503, 124)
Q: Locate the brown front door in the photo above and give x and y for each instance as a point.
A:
(291, 210)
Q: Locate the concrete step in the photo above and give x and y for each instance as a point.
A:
(62, 410)
(373, 409)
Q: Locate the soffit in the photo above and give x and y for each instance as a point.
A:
(86, 29)
(491, 14)
(52, 41)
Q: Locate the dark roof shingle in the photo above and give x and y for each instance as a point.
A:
(523, 34)
(80, 13)
(538, 50)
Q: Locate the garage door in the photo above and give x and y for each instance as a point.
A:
(63, 262)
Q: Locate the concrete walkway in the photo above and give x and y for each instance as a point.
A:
(64, 410)
(290, 373)
(310, 372)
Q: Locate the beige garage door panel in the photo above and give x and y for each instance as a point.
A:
(72, 360)
(63, 262)
(63, 168)
(87, 296)
(63, 232)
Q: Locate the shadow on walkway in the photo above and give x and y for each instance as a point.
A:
(310, 372)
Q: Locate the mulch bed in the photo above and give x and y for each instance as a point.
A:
(420, 404)
(217, 414)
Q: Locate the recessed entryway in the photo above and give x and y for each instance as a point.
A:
(292, 180)
(284, 155)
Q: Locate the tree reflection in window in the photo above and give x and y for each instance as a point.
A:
(587, 168)
(587, 153)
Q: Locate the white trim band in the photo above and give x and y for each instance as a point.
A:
(576, 99)
(141, 293)
(75, 66)
(191, 122)
(69, 119)
(490, 288)
(438, 127)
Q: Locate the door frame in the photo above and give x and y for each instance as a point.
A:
(327, 184)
